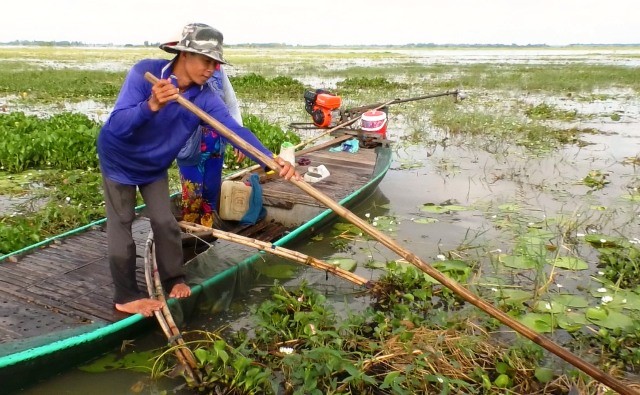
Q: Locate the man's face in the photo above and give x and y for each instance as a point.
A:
(199, 67)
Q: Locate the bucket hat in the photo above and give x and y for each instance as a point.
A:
(198, 38)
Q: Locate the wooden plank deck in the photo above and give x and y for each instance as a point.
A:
(67, 284)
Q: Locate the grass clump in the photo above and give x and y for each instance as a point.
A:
(301, 346)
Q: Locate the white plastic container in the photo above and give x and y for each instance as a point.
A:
(234, 200)
(315, 174)
(288, 153)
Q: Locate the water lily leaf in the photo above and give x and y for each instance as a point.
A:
(532, 246)
(137, 361)
(426, 220)
(453, 266)
(570, 300)
(609, 319)
(348, 264)
(543, 234)
(455, 269)
(517, 262)
(279, 271)
(622, 299)
(596, 314)
(513, 296)
(542, 306)
(342, 227)
(572, 321)
(569, 262)
(385, 223)
(541, 323)
(600, 240)
(104, 364)
(439, 209)
(376, 265)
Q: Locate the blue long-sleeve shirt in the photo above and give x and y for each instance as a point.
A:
(136, 146)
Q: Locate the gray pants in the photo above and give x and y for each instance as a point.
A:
(120, 201)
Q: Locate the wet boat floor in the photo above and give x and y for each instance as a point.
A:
(66, 286)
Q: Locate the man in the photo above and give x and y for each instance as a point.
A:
(138, 143)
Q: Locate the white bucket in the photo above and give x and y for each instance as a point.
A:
(375, 121)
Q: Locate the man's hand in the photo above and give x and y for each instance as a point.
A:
(288, 170)
(162, 92)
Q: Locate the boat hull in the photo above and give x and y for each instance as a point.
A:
(19, 368)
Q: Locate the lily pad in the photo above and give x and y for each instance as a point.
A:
(440, 209)
(513, 296)
(572, 321)
(541, 323)
(455, 269)
(376, 265)
(279, 271)
(609, 319)
(532, 246)
(542, 306)
(517, 262)
(426, 220)
(348, 264)
(570, 300)
(137, 361)
(600, 240)
(569, 262)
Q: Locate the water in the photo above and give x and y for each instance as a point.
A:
(474, 172)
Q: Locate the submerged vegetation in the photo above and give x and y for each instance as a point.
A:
(520, 208)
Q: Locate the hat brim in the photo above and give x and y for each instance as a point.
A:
(175, 48)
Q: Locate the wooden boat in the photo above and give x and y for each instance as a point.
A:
(56, 307)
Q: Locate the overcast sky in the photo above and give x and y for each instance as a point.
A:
(307, 22)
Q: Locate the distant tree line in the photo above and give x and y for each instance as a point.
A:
(282, 45)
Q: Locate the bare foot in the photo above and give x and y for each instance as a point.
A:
(180, 290)
(146, 307)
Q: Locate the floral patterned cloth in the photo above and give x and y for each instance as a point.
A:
(201, 183)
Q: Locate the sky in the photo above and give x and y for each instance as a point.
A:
(328, 22)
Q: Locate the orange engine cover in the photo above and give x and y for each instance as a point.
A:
(322, 117)
(328, 101)
(325, 105)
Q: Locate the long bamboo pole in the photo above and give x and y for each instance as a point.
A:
(164, 317)
(454, 286)
(278, 251)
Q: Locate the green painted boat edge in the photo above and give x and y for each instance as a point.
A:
(24, 357)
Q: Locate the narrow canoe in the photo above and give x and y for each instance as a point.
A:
(55, 297)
